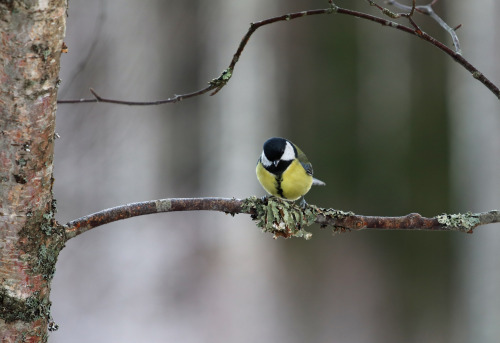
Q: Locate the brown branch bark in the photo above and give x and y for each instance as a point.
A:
(259, 210)
(217, 84)
(32, 37)
(81, 225)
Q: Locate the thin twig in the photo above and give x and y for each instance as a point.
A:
(176, 98)
(340, 221)
(217, 84)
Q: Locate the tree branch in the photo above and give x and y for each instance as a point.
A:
(283, 218)
(83, 224)
(217, 84)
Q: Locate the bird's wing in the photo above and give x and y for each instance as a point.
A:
(304, 161)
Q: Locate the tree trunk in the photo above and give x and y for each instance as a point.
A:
(32, 34)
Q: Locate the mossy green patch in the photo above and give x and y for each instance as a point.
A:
(222, 79)
(287, 219)
(27, 310)
(39, 244)
(280, 217)
(335, 214)
(459, 222)
(41, 240)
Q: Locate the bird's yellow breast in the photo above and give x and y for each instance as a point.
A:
(291, 185)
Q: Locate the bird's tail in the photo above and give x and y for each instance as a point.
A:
(317, 182)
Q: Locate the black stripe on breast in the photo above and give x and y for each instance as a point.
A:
(279, 179)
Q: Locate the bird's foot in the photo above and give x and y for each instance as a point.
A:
(302, 202)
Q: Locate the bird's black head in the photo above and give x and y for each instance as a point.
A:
(274, 148)
(277, 155)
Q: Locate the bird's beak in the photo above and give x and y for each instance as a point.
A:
(275, 163)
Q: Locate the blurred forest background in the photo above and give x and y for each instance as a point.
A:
(390, 123)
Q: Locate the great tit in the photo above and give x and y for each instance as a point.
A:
(284, 170)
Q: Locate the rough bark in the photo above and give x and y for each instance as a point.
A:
(32, 34)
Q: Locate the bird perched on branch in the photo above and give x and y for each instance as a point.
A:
(284, 170)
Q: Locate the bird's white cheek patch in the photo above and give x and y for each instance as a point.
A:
(264, 160)
(289, 153)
